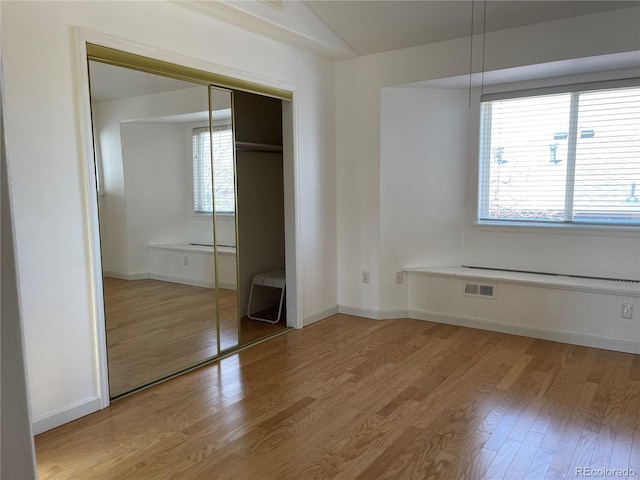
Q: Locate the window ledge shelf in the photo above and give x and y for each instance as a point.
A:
(617, 287)
(187, 248)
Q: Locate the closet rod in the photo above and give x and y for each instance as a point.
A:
(258, 147)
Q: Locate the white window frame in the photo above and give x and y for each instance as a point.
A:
(484, 155)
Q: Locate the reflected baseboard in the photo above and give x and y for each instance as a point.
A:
(184, 281)
(127, 276)
(168, 278)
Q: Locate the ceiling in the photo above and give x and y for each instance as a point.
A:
(378, 26)
(362, 26)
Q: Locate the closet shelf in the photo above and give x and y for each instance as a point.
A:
(258, 147)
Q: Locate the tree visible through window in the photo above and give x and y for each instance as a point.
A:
(220, 185)
(572, 156)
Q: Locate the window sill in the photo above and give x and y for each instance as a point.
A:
(589, 228)
(209, 215)
(191, 248)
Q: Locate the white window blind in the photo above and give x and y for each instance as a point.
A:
(222, 181)
(571, 156)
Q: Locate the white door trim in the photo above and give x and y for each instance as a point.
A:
(291, 179)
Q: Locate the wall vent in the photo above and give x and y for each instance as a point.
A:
(471, 289)
(486, 290)
(477, 290)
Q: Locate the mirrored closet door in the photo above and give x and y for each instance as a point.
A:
(156, 213)
(222, 140)
(190, 185)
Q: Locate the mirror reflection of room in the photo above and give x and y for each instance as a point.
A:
(168, 164)
(159, 288)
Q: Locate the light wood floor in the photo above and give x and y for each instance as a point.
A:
(350, 398)
(157, 328)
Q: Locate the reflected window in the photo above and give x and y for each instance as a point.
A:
(221, 185)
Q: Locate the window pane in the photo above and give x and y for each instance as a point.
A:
(223, 169)
(608, 156)
(525, 159)
(223, 178)
(202, 185)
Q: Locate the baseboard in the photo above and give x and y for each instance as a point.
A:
(127, 276)
(360, 312)
(392, 314)
(316, 317)
(66, 415)
(553, 335)
(186, 281)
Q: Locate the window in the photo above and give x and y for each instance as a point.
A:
(567, 155)
(223, 176)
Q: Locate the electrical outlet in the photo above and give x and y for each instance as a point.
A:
(627, 311)
(365, 276)
(186, 260)
(399, 277)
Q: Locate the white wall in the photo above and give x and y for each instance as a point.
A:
(361, 170)
(47, 169)
(156, 171)
(193, 265)
(120, 217)
(423, 139)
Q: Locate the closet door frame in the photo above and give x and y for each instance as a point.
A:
(90, 44)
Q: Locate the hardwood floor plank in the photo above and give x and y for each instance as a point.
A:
(439, 427)
(571, 436)
(568, 404)
(539, 465)
(618, 441)
(634, 458)
(352, 398)
(286, 413)
(524, 457)
(468, 454)
(516, 371)
(584, 451)
(502, 420)
(502, 461)
(480, 465)
(602, 413)
(634, 374)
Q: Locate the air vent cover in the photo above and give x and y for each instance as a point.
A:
(471, 289)
(477, 290)
(486, 290)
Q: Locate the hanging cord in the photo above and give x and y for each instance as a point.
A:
(484, 45)
(471, 54)
(484, 38)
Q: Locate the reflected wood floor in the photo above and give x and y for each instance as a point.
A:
(156, 328)
(351, 398)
